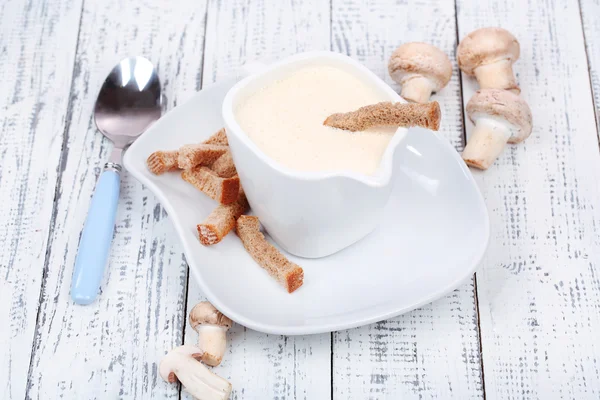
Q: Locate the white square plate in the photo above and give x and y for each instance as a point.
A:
(434, 233)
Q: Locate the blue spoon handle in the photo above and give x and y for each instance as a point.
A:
(96, 237)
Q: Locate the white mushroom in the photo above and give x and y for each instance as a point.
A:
(182, 364)
(489, 53)
(500, 117)
(212, 327)
(421, 69)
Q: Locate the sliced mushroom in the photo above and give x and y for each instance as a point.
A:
(500, 117)
(212, 327)
(421, 69)
(489, 53)
(182, 364)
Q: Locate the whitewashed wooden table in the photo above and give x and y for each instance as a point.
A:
(527, 326)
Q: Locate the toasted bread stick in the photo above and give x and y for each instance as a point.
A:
(224, 166)
(388, 114)
(223, 190)
(192, 155)
(288, 274)
(222, 220)
(219, 137)
(162, 161)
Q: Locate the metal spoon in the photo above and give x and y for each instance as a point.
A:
(128, 103)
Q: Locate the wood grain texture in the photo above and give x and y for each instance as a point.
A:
(590, 17)
(240, 31)
(432, 352)
(37, 46)
(262, 366)
(111, 349)
(538, 288)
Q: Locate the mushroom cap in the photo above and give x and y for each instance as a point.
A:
(206, 313)
(504, 105)
(165, 368)
(486, 46)
(423, 59)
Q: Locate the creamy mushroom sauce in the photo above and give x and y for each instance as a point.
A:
(285, 120)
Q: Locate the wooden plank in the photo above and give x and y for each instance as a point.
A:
(432, 352)
(262, 366)
(111, 349)
(240, 31)
(37, 48)
(590, 16)
(538, 289)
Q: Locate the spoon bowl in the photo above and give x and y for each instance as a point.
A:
(128, 103)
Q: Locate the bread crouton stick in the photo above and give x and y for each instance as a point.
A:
(224, 166)
(222, 220)
(219, 137)
(162, 161)
(223, 190)
(192, 155)
(388, 114)
(288, 274)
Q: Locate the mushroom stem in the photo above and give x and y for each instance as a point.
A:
(497, 75)
(212, 340)
(201, 383)
(417, 89)
(211, 326)
(486, 143)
